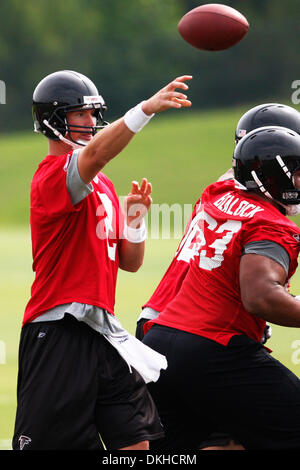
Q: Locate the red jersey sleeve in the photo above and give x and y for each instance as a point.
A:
(49, 191)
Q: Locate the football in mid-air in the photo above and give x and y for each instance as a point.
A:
(213, 27)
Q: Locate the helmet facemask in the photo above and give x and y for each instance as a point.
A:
(289, 196)
(59, 125)
(259, 166)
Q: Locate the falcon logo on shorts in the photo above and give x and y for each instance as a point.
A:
(24, 440)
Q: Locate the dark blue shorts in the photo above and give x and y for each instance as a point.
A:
(239, 389)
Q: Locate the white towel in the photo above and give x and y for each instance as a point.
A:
(138, 355)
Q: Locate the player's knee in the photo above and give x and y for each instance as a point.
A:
(230, 446)
(143, 445)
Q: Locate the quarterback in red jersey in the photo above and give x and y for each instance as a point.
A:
(80, 373)
(247, 251)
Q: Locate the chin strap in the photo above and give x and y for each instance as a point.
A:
(62, 138)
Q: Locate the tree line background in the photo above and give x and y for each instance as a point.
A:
(132, 48)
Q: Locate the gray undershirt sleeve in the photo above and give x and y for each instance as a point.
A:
(78, 190)
(269, 249)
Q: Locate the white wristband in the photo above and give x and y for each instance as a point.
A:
(135, 119)
(135, 235)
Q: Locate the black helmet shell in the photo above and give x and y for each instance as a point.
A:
(266, 159)
(268, 114)
(59, 93)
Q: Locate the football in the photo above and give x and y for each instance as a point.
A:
(213, 27)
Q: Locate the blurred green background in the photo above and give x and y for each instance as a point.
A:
(131, 49)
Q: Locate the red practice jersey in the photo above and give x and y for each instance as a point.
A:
(75, 247)
(171, 282)
(209, 301)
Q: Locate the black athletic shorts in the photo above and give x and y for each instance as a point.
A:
(239, 389)
(73, 387)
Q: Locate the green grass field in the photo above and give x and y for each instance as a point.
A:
(180, 155)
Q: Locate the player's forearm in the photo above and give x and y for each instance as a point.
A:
(262, 282)
(275, 305)
(110, 141)
(131, 255)
(104, 146)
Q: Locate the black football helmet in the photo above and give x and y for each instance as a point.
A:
(59, 93)
(268, 114)
(265, 159)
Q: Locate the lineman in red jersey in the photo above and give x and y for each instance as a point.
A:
(265, 114)
(218, 370)
(80, 372)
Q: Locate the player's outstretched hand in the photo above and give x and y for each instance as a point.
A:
(138, 202)
(168, 97)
